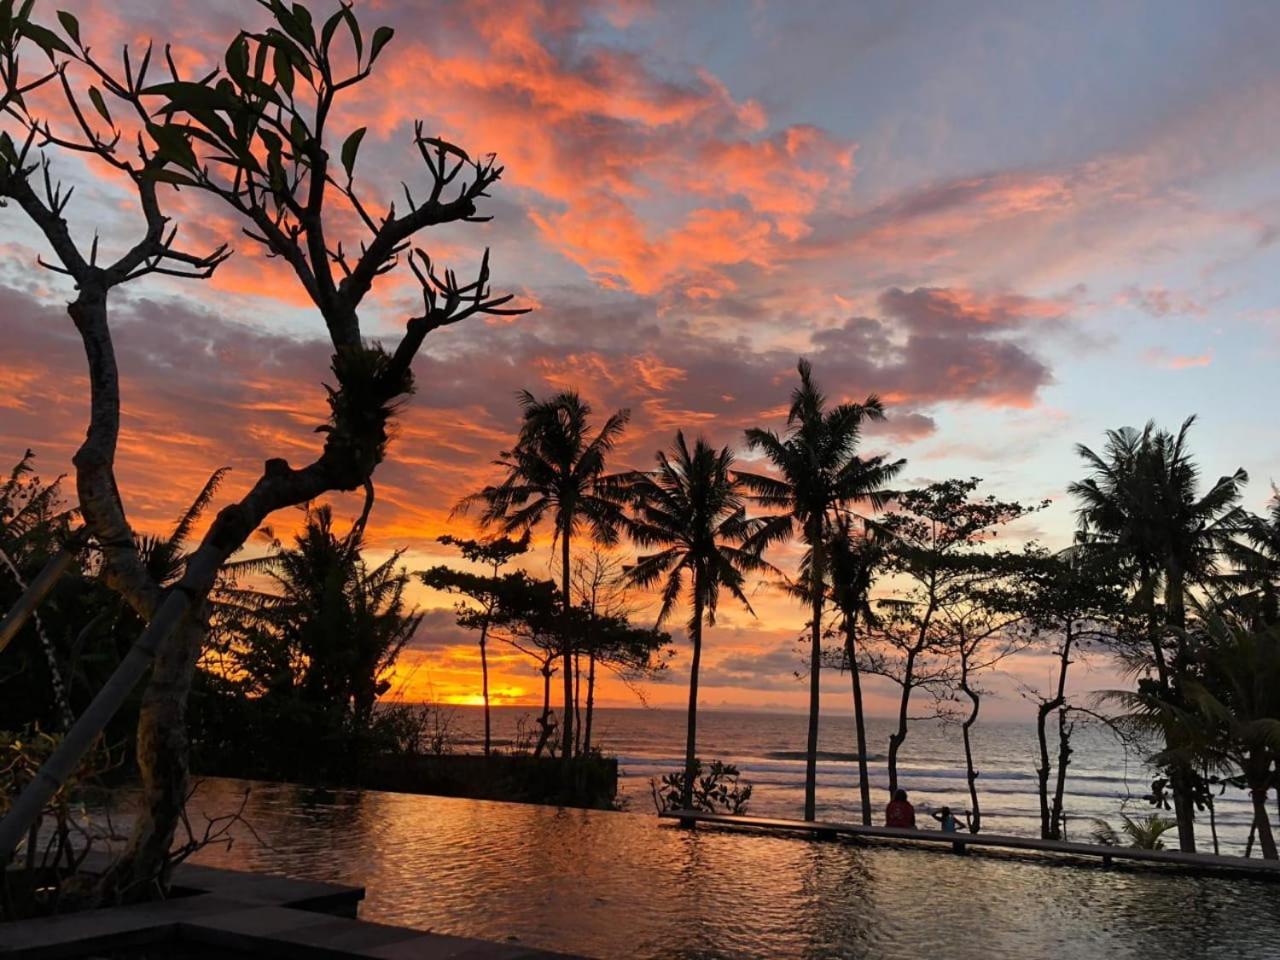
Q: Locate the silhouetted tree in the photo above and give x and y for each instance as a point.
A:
(932, 536)
(818, 470)
(691, 510)
(1254, 576)
(557, 468)
(1142, 501)
(481, 590)
(1072, 600)
(1223, 710)
(856, 556)
(256, 134)
(331, 627)
(34, 523)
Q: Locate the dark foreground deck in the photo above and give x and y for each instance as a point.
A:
(225, 913)
(961, 842)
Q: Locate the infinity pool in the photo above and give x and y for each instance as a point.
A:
(615, 885)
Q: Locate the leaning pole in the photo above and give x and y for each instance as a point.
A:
(75, 744)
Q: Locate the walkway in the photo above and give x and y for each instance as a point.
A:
(961, 842)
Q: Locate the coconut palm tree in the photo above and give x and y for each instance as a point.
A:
(1142, 500)
(556, 469)
(691, 510)
(1254, 578)
(818, 470)
(1142, 504)
(331, 627)
(854, 556)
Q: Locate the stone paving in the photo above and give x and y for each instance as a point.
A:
(246, 914)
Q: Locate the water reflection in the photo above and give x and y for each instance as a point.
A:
(621, 885)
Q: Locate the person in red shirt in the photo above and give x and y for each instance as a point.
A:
(900, 812)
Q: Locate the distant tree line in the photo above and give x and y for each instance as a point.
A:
(913, 586)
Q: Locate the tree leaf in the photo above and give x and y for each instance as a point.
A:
(349, 149)
(44, 38)
(237, 58)
(354, 27)
(71, 25)
(327, 31)
(381, 37)
(284, 71)
(99, 104)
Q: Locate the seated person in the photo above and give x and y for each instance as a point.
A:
(900, 812)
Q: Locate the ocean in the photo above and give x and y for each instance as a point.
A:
(768, 748)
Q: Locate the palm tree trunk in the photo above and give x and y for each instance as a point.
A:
(484, 680)
(816, 574)
(691, 733)
(567, 659)
(1182, 775)
(860, 729)
(1261, 819)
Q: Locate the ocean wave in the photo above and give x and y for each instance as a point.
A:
(821, 755)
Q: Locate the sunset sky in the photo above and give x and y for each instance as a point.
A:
(1020, 224)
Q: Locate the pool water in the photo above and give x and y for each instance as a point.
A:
(616, 885)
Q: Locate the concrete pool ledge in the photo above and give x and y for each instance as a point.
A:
(961, 842)
(226, 912)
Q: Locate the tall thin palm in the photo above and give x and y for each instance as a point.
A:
(1142, 504)
(557, 468)
(855, 553)
(818, 470)
(691, 508)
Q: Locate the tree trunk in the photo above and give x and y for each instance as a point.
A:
(1183, 809)
(1042, 771)
(567, 659)
(591, 702)
(898, 736)
(971, 775)
(577, 703)
(484, 680)
(1213, 825)
(1056, 830)
(691, 733)
(1049, 826)
(162, 767)
(859, 726)
(1262, 821)
(816, 574)
(545, 720)
(1181, 775)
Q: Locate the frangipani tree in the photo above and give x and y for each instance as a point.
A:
(256, 134)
